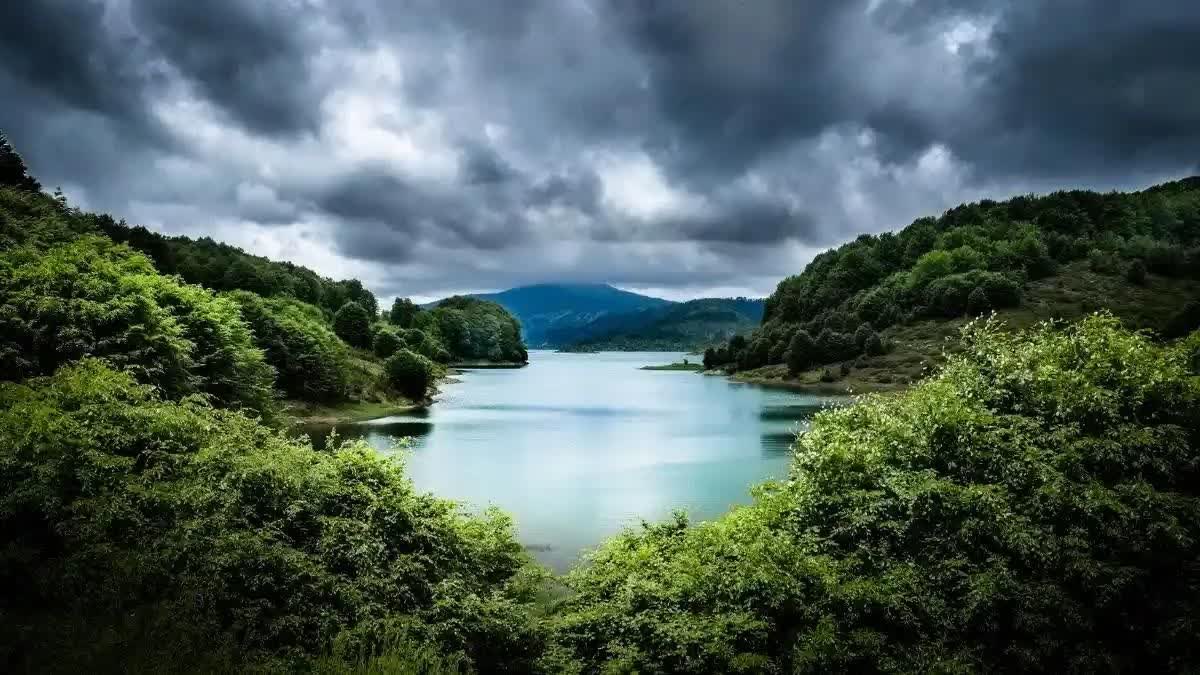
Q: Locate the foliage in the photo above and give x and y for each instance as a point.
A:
(352, 323)
(222, 267)
(801, 352)
(473, 329)
(1010, 514)
(410, 373)
(132, 523)
(933, 267)
(311, 363)
(13, 172)
(385, 343)
(404, 312)
(90, 297)
(682, 326)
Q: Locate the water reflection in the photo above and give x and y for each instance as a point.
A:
(577, 446)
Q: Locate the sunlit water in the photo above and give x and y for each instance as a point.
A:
(577, 446)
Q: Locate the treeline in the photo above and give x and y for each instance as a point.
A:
(975, 258)
(681, 326)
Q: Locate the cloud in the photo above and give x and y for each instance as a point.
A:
(433, 147)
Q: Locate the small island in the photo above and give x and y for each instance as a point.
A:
(685, 365)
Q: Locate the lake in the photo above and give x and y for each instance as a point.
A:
(577, 446)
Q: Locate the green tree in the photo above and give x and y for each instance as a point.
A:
(801, 352)
(386, 343)
(404, 311)
(978, 302)
(352, 323)
(410, 373)
(12, 169)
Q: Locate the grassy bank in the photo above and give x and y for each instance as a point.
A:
(348, 412)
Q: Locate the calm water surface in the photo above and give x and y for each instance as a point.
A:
(577, 446)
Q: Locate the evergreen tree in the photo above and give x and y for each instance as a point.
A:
(800, 352)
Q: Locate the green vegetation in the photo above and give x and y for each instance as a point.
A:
(410, 373)
(683, 326)
(1009, 514)
(475, 330)
(1027, 259)
(145, 535)
(1034, 506)
(352, 323)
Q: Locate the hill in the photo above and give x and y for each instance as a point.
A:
(558, 309)
(683, 326)
(877, 312)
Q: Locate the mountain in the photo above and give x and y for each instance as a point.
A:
(683, 326)
(559, 309)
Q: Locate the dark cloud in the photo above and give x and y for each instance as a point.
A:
(253, 59)
(428, 145)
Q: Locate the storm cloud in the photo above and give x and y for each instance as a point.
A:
(687, 147)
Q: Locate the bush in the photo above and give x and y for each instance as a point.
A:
(352, 324)
(846, 368)
(1009, 514)
(386, 343)
(828, 376)
(861, 335)
(874, 345)
(137, 525)
(410, 374)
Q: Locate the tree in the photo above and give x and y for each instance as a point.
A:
(978, 302)
(13, 172)
(352, 323)
(861, 335)
(386, 343)
(1136, 272)
(874, 345)
(409, 373)
(404, 311)
(800, 353)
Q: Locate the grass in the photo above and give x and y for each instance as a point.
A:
(917, 348)
(347, 412)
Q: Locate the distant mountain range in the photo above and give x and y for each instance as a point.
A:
(599, 316)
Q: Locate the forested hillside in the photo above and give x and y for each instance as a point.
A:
(683, 326)
(884, 304)
(197, 316)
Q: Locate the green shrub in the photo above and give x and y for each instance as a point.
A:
(90, 297)
(978, 302)
(386, 343)
(352, 323)
(410, 374)
(133, 525)
(1009, 514)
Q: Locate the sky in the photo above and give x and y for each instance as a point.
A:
(683, 148)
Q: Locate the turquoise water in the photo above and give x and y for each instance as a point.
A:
(577, 446)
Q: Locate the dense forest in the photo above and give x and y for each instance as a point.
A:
(1034, 506)
(1028, 258)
